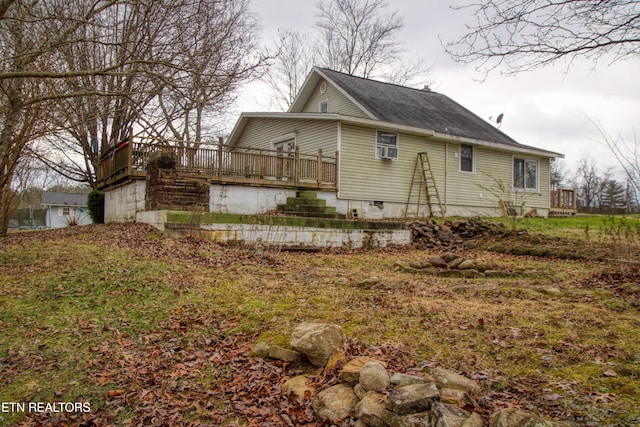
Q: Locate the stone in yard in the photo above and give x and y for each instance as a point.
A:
(467, 264)
(317, 341)
(456, 397)
(374, 377)
(445, 234)
(449, 256)
(475, 420)
(261, 349)
(421, 419)
(351, 371)
(437, 262)
(334, 403)
(445, 378)
(446, 415)
(368, 283)
(359, 391)
(299, 385)
(453, 265)
(512, 417)
(337, 359)
(281, 353)
(417, 265)
(370, 409)
(403, 267)
(413, 398)
(401, 380)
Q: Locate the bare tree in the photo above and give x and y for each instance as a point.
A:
(522, 35)
(128, 37)
(161, 66)
(558, 173)
(355, 37)
(217, 51)
(295, 56)
(627, 153)
(591, 181)
(31, 35)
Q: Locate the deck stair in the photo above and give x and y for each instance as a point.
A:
(307, 204)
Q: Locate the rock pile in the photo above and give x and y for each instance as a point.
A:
(367, 394)
(451, 264)
(430, 234)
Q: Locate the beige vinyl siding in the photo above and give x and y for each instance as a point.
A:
(363, 177)
(492, 180)
(310, 135)
(337, 102)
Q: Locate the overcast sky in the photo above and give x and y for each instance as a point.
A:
(548, 108)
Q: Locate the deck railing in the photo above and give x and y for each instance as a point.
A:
(129, 160)
(563, 202)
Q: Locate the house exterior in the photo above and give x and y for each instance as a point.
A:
(65, 209)
(377, 130)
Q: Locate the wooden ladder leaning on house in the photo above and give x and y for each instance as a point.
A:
(423, 181)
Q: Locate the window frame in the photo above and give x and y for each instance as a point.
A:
(523, 170)
(324, 103)
(380, 144)
(473, 159)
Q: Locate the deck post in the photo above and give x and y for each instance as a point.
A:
(319, 167)
(335, 174)
(296, 165)
(219, 157)
(129, 151)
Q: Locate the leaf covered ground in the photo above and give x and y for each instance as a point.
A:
(154, 331)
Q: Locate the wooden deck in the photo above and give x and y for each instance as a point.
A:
(268, 168)
(563, 203)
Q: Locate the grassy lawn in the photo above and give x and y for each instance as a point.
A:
(149, 330)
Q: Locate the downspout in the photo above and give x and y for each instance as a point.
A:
(339, 160)
(446, 174)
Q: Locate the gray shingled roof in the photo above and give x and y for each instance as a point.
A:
(418, 108)
(52, 198)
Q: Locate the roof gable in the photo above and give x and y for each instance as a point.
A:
(406, 106)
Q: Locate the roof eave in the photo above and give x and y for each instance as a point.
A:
(524, 149)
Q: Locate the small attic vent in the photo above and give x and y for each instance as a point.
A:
(323, 87)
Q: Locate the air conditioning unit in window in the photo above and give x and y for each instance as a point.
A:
(387, 153)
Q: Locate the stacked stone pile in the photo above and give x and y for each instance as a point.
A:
(450, 264)
(368, 394)
(452, 233)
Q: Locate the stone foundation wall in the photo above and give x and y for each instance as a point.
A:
(170, 189)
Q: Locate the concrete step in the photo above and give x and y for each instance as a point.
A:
(307, 208)
(305, 201)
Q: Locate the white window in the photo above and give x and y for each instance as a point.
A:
(387, 145)
(525, 174)
(466, 158)
(324, 107)
(65, 211)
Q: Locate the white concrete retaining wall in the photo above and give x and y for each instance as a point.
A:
(279, 235)
(122, 203)
(304, 236)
